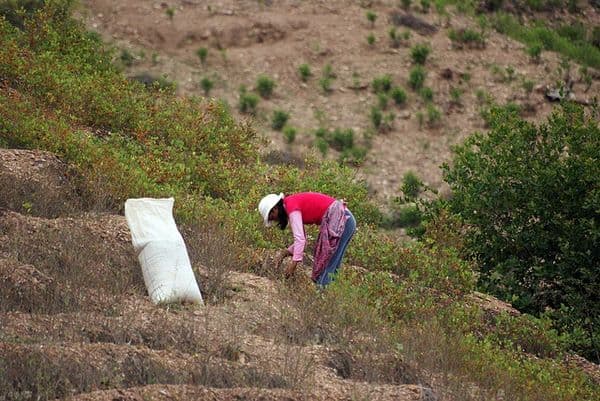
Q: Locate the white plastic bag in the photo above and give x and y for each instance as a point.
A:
(161, 251)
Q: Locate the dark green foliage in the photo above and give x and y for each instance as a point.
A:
(427, 94)
(382, 83)
(411, 186)
(376, 117)
(371, 39)
(419, 53)
(304, 71)
(416, 77)
(16, 10)
(548, 38)
(425, 6)
(127, 58)
(279, 119)
(467, 37)
(202, 53)
(206, 84)
(371, 17)
(535, 51)
(289, 133)
(399, 95)
(531, 195)
(248, 101)
(265, 86)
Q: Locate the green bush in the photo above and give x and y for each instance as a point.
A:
(434, 115)
(126, 58)
(535, 52)
(289, 133)
(382, 83)
(206, 84)
(304, 71)
(265, 86)
(467, 37)
(427, 94)
(411, 186)
(530, 194)
(371, 39)
(419, 53)
(202, 53)
(399, 95)
(371, 17)
(16, 11)
(279, 119)
(325, 84)
(248, 101)
(394, 37)
(416, 77)
(376, 117)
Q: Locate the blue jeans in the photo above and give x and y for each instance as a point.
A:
(336, 259)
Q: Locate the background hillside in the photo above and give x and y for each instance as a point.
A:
(407, 319)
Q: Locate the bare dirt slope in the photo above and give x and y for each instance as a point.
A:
(75, 320)
(248, 38)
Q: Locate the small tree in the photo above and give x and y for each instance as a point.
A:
(202, 53)
(206, 84)
(419, 53)
(265, 86)
(382, 83)
(416, 77)
(304, 71)
(371, 39)
(371, 17)
(289, 133)
(399, 95)
(279, 119)
(248, 101)
(530, 195)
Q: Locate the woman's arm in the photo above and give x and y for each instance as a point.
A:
(297, 248)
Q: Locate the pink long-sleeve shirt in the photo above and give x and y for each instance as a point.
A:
(304, 207)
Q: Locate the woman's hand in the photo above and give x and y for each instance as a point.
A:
(291, 269)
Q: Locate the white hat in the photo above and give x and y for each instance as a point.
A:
(266, 204)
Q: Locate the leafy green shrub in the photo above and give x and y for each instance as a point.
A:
(279, 119)
(16, 11)
(170, 11)
(394, 37)
(322, 145)
(467, 37)
(265, 86)
(126, 58)
(206, 84)
(399, 95)
(427, 94)
(425, 6)
(248, 101)
(342, 139)
(416, 77)
(530, 194)
(376, 117)
(528, 85)
(419, 53)
(304, 71)
(371, 39)
(434, 115)
(382, 100)
(371, 17)
(455, 95)
(411, 186)
(202, 53)
(406, 4)
(289, 133)
(535, 51)
(325, 84)
(382, 83)
(354, 156)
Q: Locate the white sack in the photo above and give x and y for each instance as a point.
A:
(161, 251)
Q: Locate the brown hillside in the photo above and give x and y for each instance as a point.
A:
(248, 38)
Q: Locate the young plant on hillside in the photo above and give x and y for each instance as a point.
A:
(371, 39)
(406, 4)
(382, 83)
(535, 52)
(265, 86)
(202, 53)
(427, 94)
(248, 101)
(206, 84)
(371, 17)
(170, 11)
(304, 72)
(416, 77)
(425, 6)
(399, 95)
(394, 37)
(279, 119)
(289, 133)
(419, 53)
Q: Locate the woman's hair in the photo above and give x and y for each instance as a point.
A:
(282, 216)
